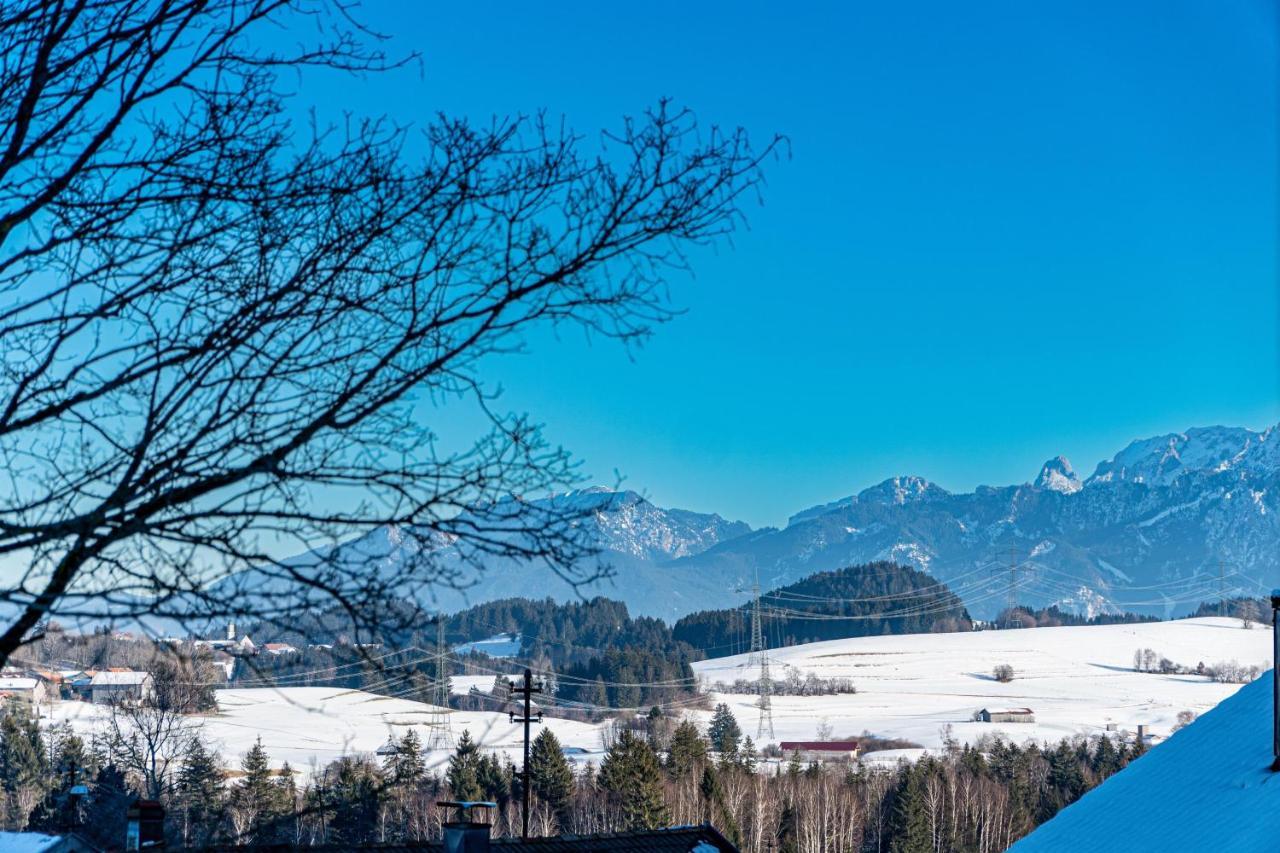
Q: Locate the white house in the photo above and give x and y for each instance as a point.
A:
(28, 691)
(116, 686)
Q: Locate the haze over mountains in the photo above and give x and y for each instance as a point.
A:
(1166, 523)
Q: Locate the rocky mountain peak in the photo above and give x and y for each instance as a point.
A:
(1057, 475)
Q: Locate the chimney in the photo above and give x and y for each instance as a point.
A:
(464, 834)
(1275, 679)
(145, 830)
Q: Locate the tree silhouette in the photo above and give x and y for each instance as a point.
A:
(227, 336)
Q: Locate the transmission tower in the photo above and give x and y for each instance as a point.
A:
(765, 703)
(757, 631)
(439, 718)
(1011, 599)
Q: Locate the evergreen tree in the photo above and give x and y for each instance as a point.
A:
(748, 757)
(688, 749)
(24, 765)
(787, 829)
(723, 731)
(1106, 758)
(354, 792)
(200, 794)
(550, 777)
(407, 766)
(463, 775)
(256, 797)
(598, 694)
(631, 774)
(497, 780)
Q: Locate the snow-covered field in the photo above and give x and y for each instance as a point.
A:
(1076, 680)
(312, 726)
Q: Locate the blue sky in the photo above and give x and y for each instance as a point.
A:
(1006, 231)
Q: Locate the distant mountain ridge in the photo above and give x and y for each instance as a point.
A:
(1146, 532)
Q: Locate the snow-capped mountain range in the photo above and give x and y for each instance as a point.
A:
(1165, 524)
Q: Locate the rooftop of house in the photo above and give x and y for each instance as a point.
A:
(819, 745)
(17, 683)
(1209, 786)
(119, 679)
(1008, 710)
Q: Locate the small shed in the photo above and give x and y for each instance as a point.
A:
(1005, 715)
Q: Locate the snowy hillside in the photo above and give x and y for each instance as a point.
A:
(1076, 680)
(311, 726)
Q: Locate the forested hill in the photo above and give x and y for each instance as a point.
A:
(563, 633)
(858, 601)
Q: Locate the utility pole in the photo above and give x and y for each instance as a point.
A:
(526, 691)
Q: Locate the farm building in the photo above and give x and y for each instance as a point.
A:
(821, 750)
(1005, 715)
(106, 687)
(23, 689)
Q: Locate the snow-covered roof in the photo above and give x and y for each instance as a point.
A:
(27, 842)
(119, 679)
(17, 684)
(1209, 786)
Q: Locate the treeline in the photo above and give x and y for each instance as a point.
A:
(858, 601)
(1249, 610)
(658, 771)
(1052, 617)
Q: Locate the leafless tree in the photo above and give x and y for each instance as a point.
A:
(148, 735)
(228, 338)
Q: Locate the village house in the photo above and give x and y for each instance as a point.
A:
(1005, 715)
(54, 682)
(22, 689)
(80, 684)
(279, 649)
(107, 687)
(821, 750)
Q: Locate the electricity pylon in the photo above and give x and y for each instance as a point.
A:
(439, 718)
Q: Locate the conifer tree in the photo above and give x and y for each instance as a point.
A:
(723, 731)
(463, 775)
(598, 694)
(748, 757)
(407, 766)
(550, 776)
(630, 773)
(355, 793)
(200, 794)
(688, 750)
(256, 799)
(24, 765)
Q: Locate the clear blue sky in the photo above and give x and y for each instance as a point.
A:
(1007, 231)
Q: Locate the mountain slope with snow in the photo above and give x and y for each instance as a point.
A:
(1167, 523)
